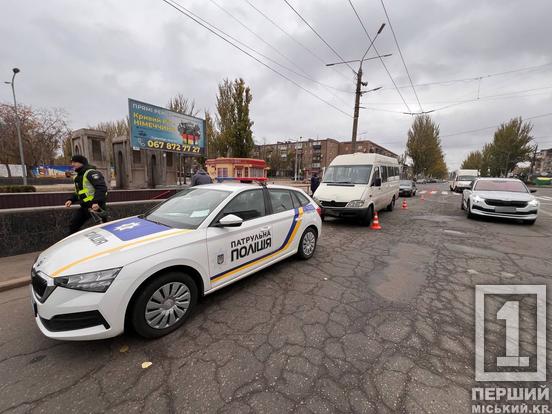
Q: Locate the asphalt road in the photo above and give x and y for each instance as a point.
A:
(377, 321)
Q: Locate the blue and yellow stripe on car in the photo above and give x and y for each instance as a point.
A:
(295, 225)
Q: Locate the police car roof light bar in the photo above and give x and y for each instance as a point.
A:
(260, 180)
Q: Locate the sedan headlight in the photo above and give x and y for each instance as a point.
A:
(534, 203)
(477, 199)
(355, 203)
(91, 282)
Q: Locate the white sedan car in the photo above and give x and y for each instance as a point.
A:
(147, 272)
(500, 197)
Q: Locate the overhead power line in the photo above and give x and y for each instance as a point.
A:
(401, 55)
(257, 36)
(181, 9)
(494, 126)
(378, 54)
(294, 39)
(319, 36)
(304, 75)
(475, 78)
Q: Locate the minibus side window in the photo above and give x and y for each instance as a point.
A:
(383, 174)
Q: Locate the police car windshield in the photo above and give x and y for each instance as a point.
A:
(347, 174)
(188, 208)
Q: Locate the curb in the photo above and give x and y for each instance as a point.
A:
(14, 283)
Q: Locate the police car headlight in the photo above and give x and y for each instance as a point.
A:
(90, 282)
(533, 203)
(355, 203)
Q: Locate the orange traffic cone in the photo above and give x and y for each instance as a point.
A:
(375, 223)
(404, 205)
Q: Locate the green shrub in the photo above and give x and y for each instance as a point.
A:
(17, 189)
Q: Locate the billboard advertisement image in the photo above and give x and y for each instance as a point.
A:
(153, 127)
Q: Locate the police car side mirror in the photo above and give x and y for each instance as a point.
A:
(230, 220)
(533, 190)
(376, 182)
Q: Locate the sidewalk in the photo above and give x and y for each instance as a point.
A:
(15, 271)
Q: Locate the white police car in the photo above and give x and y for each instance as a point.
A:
(147, 272)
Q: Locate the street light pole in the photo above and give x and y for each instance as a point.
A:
(18, 127)
(296, 170)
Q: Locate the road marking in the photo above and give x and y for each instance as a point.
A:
(545, 198)
(433, 192)
(423, 192)
(444, 192)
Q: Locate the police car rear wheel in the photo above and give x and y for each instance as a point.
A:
(307, 245)
(164, 304)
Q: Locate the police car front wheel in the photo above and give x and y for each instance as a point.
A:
(307, 245)
(163, 304)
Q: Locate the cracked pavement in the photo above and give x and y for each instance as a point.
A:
(375, 322)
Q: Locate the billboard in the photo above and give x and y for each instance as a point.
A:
(52, 171)
(153, 127)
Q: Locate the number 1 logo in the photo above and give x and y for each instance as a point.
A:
(510, 313)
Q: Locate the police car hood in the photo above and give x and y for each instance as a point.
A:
(110, 245)
(340, 192)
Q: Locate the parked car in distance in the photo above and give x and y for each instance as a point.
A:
(407, 188)
(462, 180)
(500, 197)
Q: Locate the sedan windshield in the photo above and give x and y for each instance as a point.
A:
(466, 178)
(405, 183)
(188, 208)
(500, 185)
(348, 174)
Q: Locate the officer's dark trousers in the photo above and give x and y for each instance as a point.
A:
(81, 216)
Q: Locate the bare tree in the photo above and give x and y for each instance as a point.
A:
(182, 105)
(42, 133)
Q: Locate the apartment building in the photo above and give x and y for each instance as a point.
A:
(313, 155)
(543, 162)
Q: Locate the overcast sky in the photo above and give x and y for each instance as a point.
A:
(88, 57)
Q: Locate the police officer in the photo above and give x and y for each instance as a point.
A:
(90, 192)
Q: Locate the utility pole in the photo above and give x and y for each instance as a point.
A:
(359, 84)
(358, 93)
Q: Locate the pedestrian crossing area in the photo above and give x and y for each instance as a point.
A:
(431, 192)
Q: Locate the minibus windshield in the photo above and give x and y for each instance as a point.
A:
(347, 174)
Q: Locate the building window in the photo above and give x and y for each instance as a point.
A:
(96, 150)
(222, 172)
(136, 157)
(169, 159)
(256, 172)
